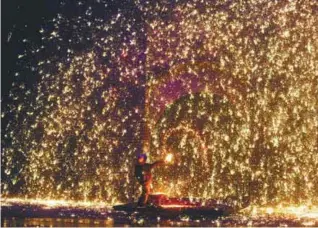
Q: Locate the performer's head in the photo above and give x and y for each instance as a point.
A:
(141, 158)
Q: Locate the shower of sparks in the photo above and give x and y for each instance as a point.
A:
(230, 88)
(299, 211)
(46, 204)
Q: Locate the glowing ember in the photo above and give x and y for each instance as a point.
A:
(177, 206)
(168, 158)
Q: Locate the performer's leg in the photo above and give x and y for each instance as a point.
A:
(141, 200)
(147, 192)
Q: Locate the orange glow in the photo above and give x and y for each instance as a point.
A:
(158, 193)
(168, 158)
(176, 206)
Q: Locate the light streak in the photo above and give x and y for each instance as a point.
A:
(176, 206)
(49, 203)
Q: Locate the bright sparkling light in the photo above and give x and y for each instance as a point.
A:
(296, 211)
(177, 206)
(168, 158)
(48, 203)
(229, 87)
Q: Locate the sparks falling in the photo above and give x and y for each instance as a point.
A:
(230, 88)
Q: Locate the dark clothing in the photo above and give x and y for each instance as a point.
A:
(144, 177)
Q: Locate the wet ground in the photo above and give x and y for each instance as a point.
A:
(30, 215)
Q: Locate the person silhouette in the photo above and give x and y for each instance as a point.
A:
(144, 177)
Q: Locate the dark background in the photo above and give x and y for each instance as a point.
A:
(20, 20)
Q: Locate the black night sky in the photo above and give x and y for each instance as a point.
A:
(23, 20)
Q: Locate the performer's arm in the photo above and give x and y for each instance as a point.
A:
(157, 163)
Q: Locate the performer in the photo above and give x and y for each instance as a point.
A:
(144, 176)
